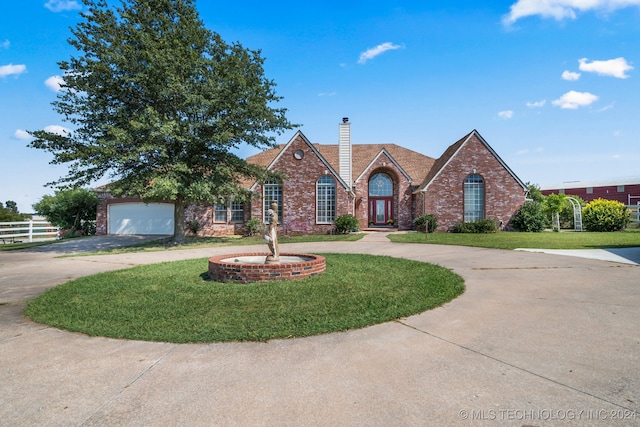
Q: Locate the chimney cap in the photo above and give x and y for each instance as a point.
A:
(345, 120)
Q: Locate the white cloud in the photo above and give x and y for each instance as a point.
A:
(62, 5)
(375, 51)
(58, 130)
(5, 44)
(54, 83)
(327, 94)
(613, 67)
(506, 115)
(7, 70)
(570, 75)
(22, 135)
(537, 104)
(561, 9)
(573, 100)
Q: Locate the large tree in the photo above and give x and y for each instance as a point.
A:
(70, 209)
(159, 103)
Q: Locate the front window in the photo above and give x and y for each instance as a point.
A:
(326, 200)
(473, 198)
(380, 185)
(272, 191)
(219, 212)
(237, 212)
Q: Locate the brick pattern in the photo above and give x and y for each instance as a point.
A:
(204, 214)
(445, 195)
(402, 193)
(299, 190)
(222, 268)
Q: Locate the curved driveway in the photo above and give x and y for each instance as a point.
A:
(536, 339)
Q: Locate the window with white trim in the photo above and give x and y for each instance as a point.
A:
(272, 190)
(220, 212)
(237, 212)
(473, 198)
(325, 200)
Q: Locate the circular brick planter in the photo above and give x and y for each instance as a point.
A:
(230, 268)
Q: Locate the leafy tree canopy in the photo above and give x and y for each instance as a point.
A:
(70, 209)
(158, 103)
(534, 193)
(9, 212)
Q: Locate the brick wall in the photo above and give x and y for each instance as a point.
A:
(299, 190)
(204, 214)
(402, 194)
(445, 195)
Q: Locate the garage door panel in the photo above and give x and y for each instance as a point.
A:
(141, 218)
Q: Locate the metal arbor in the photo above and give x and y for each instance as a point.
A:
(577, 213)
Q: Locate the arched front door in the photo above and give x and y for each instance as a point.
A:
(380, 199)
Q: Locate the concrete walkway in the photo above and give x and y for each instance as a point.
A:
(536, 339)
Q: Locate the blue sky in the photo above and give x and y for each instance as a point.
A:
(552, 85)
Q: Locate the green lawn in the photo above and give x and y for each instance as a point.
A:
(512, 240)
(173, 302)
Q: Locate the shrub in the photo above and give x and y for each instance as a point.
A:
(89, 228)
(478, 226)
(605, 215)
(463, 227)
(194, 226)
(486, 226)
(530, 217)
(426, 222)
(70, 233)
(254, 226)
(345, 223)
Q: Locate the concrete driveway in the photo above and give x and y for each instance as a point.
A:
(536, 339)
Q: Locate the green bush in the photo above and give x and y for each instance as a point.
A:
(254, 226)
(478, 226)
(346, 223)
(486, 226)
(463, 227)
(426, 222)
(530, 217)
(605, 215)
(70, 209)
(194, 226)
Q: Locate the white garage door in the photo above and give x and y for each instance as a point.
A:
(141, 218)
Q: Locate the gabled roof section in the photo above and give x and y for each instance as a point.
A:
(451, 152)
(413, 164)
(375, 159)
(269, 158)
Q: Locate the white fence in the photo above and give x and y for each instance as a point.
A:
(635, 213)
(13, 232)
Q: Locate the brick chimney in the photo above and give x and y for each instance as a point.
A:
(344, 151)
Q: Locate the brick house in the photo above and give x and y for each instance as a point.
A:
(382, 185)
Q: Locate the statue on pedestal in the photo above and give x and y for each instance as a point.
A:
(271, 234)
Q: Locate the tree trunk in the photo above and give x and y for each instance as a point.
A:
(178, 221)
